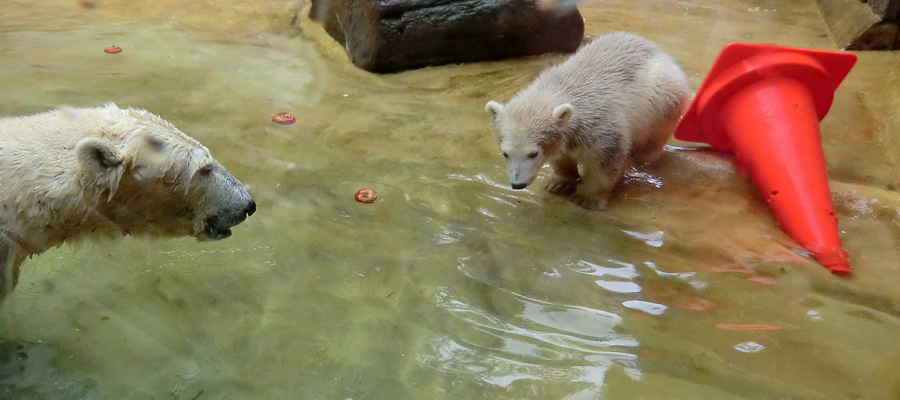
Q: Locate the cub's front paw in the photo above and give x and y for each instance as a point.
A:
(589, 202)
(562, 186)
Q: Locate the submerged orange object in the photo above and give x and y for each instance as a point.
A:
(113, 49)
(366, 195)
(764, 103)
(748, 327)
(284, 118)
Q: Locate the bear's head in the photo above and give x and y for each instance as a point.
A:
(527, 137)
(146, 177)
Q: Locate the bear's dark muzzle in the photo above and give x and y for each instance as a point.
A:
(218, 226)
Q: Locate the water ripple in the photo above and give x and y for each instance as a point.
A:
(541, 341)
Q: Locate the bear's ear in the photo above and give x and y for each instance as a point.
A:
(493, 109)
(562, 113)
(100, 162)
(97, 155)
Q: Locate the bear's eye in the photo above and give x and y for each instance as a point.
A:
(505, 154)
(533, 154)
(156, 143)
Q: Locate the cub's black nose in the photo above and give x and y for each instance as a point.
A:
(518, 186)
(251, 208)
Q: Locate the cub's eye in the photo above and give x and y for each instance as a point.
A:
(505, 154)
(533, 154)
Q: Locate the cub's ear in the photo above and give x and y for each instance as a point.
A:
(100, 162)
(493, 109)
(562, 113)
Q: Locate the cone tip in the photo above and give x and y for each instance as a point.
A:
(835, 259)
(840, 269)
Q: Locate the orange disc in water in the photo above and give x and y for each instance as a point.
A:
(284, 118)
(366, 195)
(113, 50)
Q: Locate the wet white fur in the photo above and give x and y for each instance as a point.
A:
(613, 103)
(77, 172)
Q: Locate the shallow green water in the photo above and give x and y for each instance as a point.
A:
(450, 285)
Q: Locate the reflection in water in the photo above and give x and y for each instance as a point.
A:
(26, 369)
(546, 344)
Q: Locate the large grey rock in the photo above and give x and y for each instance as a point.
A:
(889, 10)
(393, 35)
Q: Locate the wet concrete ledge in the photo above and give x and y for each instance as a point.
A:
(393, 35)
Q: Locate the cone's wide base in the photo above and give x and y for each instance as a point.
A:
(764, 103)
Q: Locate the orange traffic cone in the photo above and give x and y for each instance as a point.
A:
(764, 103)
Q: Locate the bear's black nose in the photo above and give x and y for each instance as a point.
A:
(251, 208)
(518, 186)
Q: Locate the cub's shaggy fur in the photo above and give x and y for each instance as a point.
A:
(613, 103)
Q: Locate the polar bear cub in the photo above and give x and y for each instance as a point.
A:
(612, 104)
(87, 172)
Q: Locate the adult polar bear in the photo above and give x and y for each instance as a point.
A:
(86, 172)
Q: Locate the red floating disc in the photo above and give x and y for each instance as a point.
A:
(366, 195)
(284, 118)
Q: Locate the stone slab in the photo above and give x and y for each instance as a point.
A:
(393, 35)
(856, 25)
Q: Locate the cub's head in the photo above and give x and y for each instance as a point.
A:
(149, 178)
(527, 137)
